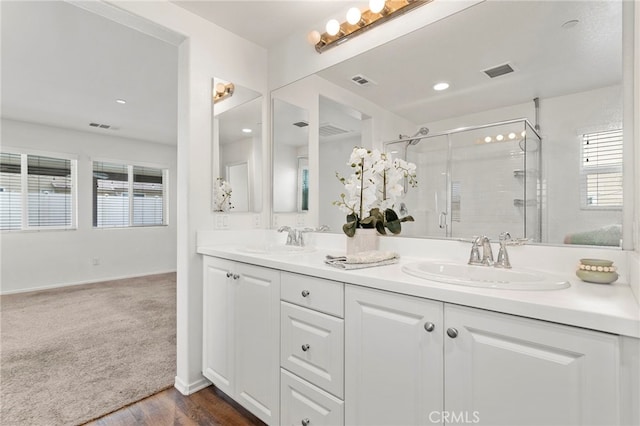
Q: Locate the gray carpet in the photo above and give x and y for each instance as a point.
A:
(72, 354)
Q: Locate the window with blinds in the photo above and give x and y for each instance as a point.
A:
(127, 195)
(602, 170)
(36, 192)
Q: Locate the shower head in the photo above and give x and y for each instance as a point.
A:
(422, 131)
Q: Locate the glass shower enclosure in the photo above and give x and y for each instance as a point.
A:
(480, 180)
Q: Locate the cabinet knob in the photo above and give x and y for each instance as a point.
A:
(236, 276)
(229, 274)
(306, 422)
(429, 326)
(305, 293)
(306, 347)
(452, 332)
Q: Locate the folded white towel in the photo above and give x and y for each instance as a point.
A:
(365, 259)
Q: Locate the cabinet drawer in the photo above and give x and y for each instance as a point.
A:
(303, 403)
(313, 293)
(312, 347)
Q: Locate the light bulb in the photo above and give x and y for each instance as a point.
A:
(313, 37)
(499, 137)
(333, 27)
(246, 130)
(512, 135)
(353, 15)
(524, 133)
(487, 139)
(376, 6)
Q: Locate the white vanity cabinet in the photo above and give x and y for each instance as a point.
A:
(241, 334)
(415, 361)
(312, 351)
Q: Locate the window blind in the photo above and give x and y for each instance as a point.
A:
(602, 169)
(49, 192)
(10, 191)
(148, 194)
(126, 195)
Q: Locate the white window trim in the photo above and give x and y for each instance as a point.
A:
(24, 188)
(130, 165)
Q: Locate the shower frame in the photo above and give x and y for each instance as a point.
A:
(448, 133)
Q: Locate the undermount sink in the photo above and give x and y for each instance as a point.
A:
(276, 249)
(485, 276)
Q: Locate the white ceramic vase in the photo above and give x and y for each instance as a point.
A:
(365, 239)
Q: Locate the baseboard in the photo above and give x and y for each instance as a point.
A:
(188, 389)
(97, 280)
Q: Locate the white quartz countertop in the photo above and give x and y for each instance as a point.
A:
(608, 308)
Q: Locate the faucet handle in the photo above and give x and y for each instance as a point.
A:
(503, 258)
(474, 257)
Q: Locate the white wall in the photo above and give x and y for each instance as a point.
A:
(40, 259)
(208, 51)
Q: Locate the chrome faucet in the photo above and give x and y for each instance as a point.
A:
(295, 237)
(487, 253)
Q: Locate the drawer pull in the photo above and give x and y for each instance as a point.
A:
(306, 347)
(305, 293)
(306, 422)
(429, 326)
(452, 332)
(236, 276)
(229, 274)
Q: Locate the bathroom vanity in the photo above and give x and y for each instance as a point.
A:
(298, 342)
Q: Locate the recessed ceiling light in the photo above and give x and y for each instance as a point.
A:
(441, 86)
(121, 101)
(246, 130)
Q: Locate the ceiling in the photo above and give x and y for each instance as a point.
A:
(267, 22)
(549, 60)
(65, 66)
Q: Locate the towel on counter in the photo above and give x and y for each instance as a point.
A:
(365, 259)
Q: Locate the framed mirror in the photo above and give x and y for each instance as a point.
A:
(556, 64)
(237, 140)
(291, 182)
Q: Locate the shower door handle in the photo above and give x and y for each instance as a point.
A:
(442, 220)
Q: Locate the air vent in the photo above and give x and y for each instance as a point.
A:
(301, 124)
(361, 80)
(499, 70)
(100, 126)
(328, 129)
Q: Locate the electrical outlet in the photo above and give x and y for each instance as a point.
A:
(256, 221)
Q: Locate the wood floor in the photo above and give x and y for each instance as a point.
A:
(206, 407)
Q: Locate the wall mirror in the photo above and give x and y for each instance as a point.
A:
(291, 184)
(565, 55)
(237, 143)
(339, 131)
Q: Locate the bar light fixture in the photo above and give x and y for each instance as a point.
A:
(222, 91)
(359, 21)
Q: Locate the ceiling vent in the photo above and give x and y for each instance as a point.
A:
(328, 129)
(100, 126)
(361, 80)
(499, 70)
(301, 123)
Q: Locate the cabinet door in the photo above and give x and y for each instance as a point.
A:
(257, 337)
(506, 370)
(394, 368)
(218, 336)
